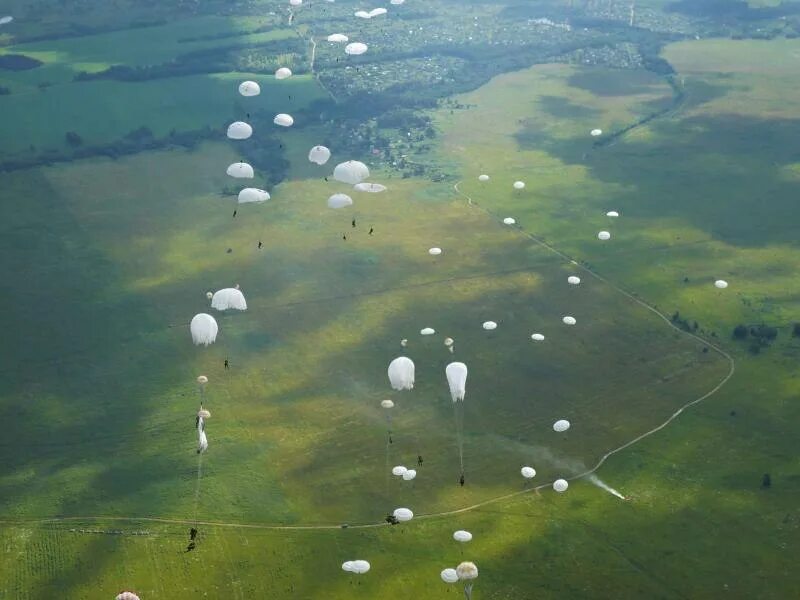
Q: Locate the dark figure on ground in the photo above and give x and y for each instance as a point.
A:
(326, 179)
(766, 481)
(190, 547)
(419, 459)
(461, 481)
(371, 229)
(392, 519)
(234, 214)
(344, 236)
(226, 363)
(259, 244)
(192, 533)
(354, 222)
(390, 440)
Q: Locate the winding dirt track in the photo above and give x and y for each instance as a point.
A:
(639, 438)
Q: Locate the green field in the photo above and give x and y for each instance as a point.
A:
(107, 261)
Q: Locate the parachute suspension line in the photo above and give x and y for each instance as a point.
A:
(458, 416)
(197, 486)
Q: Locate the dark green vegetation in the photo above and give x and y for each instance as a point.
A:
(108, 253)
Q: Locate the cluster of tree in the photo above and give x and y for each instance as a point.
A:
(685, 324)
(758, 336)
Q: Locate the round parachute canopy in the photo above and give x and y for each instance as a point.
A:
(359, 567)
(387, 404)
(373, 188)
(209, 295)
(435, 251)
(283, 73)
(319, 155)
(347, 566)
(6, 21)
(355, 49)
(362, 14)
(509, 221)
(202, 379)
(596, 132)
(403, 514)
(449, 576)
(351, 171)
(204, 329)
(467, 571)
(340, 201)
(448, 342)
(240, 170)
(249, 88)
(483, 178)
(205, 414)
(295, 2)
(573, 280)
(397, 2)
(123, 595)
(561, 425)
(404, 342)
(376, 12)
(239, 130)
(462, 536)
(519, 185)
(537, 337)
(456, 373)
(560, 485)
(409, 475)
(528, 472)
(604, 235)
(489, 325)
(569, 320)
(427, 331)
(229, 298)
(338, 37)
(399, 470)
(401, 373)
(612, 213)
(283, 120)
(248, 195)
(721, 284)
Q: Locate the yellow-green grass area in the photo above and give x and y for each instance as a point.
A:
(136, 47)
(123, 255)
(104, 111)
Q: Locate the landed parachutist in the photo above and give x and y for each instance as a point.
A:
(190, 547)
(419, 459)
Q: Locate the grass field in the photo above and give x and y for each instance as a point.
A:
(99, 378)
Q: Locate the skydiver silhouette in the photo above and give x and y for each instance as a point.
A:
(344, 237)
(354, 222)
(461, 481)
(419, 459)
(197, 422)
(371, 229)
(234, 213)
(226, 363)
(190, 547)
(192, 533)
(326, 179)
(259, 244)
(248, 115)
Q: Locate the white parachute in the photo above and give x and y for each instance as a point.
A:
(409, 475)
(203, 329)
(596, 132)
(537, 337)
(6, 21)
(721, 284)
(456, 373)
(373, 188)
(519, 185)
(228, 298)
(239, 130)
(283, 73)
(204, 414)
(362, 14)
(569, 320)
(560, 485)
(435, 251)
(351, 171)
(490, 325)
(319, 155)
(387, 404)
(403, 514)
(427, 331)
(462, 536)
(248, 195)
(240, 170)
(355, 49)
(612, 213)
(283, 120)
(121, 595)
(509, 221)
(295, 2)
(338, 37)
(376, 12)
(249, 88)
(483, 178)
(340, 201)
(467, 572)
(561, 425)
(401, 373)
(397, 2)
(604, 235)
(449, 576)
(359, 567)
(528, 472)
(399, 471)
(573, 280)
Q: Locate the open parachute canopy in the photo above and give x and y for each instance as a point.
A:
(537, 337)
(283, 73)
(462, 536)
(319, 155)
(449, 576)
(239, 130)
(5, 21)
(401, 373)
(403, 514)
(228, 298)
(203, 328)
(456, 373)
(355, 49)
(427, 331)
(240, 170)
(434, 251)
(568, 320)
(399, 470)
(720, 284)
(340, 201)
(528, 472)
(560, 485)
(249, 88)
(283, 120)
(561, 425)
(604, 235)
(409, 475)
(373, 188)
(509, 221)
(467, 571)
(351, 171)
(483, 178)
(490, 325)
(519, 185)
(124, 595)
(338, 37)
(249, 195)
(573, 280)
(359, 567)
